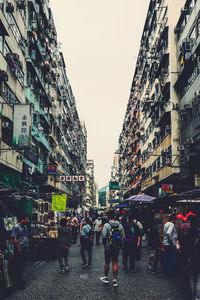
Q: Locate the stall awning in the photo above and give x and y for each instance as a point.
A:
(10, 178)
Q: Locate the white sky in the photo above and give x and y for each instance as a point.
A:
(100, 40)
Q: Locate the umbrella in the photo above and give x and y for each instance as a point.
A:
(141, 198)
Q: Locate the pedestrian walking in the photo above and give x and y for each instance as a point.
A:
(97, 229)
(74, 228)
(154, 246)
(112, 237)
(86, 242)
(169, 242)
(20, 239)
(131, 243)
(64, 242)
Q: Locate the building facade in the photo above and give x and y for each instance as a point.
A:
(90, 197)
(152, 136)
(33, 72)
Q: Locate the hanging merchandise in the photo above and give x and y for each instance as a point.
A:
(9, 222)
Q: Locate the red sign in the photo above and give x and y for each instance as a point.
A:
(167, 188)
(74, 178)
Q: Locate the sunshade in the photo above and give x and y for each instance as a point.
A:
(141, 198)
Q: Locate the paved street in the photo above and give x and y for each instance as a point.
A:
(45, 282)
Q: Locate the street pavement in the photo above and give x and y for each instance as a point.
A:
(44, 282)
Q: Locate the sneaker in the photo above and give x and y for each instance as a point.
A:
(62, 271)
(115, 283)
(66, 269)
(84, 265)
(104, 279)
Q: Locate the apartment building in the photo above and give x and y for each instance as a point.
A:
(114, 188)
(90, 196)
(33, 72)
(187, 32)
(12, 87)
(149, 156)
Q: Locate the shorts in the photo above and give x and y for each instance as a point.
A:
(111, 254)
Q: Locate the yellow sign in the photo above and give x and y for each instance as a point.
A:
(59, 202)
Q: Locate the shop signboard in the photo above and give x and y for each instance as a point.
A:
(167, 189)
(114, 185)
(22, 126)
(50, 170)
(197, 180)
(59, 202)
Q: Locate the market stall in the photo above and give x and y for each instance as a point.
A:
(44, 231)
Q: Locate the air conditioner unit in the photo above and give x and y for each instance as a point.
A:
(21, 4)
(180, 148)
(157, 133)
(187, 106)
(197, 93)
(183, 112)
(154, 175)
(9, 7)
(3, 76)
(184, 11)
(15, 57)
(6, 125)
(168, 127)
(177, 30)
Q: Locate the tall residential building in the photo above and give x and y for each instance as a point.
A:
(150, 137)
(114, 188)
(187, 32)
(90, 184)
(33, 72)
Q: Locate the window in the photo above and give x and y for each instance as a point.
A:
(13, 26)
(8, 95)
(1, 44)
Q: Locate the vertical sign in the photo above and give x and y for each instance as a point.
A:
(22, 125)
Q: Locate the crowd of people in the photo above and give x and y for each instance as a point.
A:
(173, 243)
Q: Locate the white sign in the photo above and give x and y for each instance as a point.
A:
(62, 178)
(81, 178)
(68, 178)
(74, 178)
(22, 125)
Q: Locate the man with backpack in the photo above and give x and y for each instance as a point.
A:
(112, 237)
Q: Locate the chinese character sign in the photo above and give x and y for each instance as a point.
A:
(22, 125)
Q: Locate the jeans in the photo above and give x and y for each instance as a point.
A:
(170, 259)
(63, 257)
(86, 246)
(98, 233)
(18, 266)
(129, 251)
(74, 234)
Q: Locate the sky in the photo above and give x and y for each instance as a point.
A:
(100, 43)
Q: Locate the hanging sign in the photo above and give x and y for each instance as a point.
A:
(22, 125)
(59, 202)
